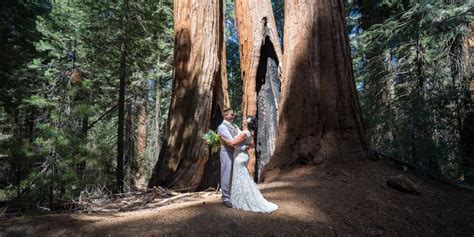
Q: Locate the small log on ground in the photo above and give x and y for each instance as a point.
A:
(401, 183)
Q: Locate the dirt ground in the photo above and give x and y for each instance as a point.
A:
(313, 201)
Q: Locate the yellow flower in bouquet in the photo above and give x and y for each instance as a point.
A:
(212, 140)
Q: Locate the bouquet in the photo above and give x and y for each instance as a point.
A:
(212, 140)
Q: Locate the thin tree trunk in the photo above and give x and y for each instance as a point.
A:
(121, 112)
(141, 136)
(157, 120)
(320, 118)
(198, 76)
(260, 57)
(16, 127)
(31, 124)
(129, 151)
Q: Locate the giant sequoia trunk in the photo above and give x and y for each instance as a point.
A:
(199, 89)
(260, 56)
(320, 117)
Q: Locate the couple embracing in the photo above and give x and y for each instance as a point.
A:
(237, 186)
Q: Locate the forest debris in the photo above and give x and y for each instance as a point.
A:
(152, 196)
(3, 210)
(166, 192)
(43, 208)
(132, 201)
(104, 210)
(174, 198)
(162, 192)
(401, 183)
(210, 189)
(183, 189)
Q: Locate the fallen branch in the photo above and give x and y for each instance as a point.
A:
(42, 208)
(184, 189)
(105, 210)
(132, 201)
(152, 196)
(174, 198)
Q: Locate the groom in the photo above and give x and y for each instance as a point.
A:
(228, 130)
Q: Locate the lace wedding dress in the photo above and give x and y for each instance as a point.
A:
(244, 193)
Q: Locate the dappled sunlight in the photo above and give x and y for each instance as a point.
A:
(294, 209)
(285, 184)
(330, 204)
(177, 217)
(368, 100)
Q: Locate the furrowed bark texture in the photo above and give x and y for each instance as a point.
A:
(199, 87)
(260, 57)
(320, 118)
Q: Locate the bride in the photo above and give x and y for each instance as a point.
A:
(244, 193)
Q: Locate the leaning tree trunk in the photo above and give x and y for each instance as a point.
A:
(320, 117)
(260, 57)
(198, 90)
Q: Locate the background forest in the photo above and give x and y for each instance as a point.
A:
(76, 76)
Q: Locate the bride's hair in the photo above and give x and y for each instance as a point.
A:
(251, 123)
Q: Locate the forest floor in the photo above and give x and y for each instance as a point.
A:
(313, 201)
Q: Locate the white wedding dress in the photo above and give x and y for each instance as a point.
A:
(244, 193)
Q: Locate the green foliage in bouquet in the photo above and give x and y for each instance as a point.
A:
(212, 139)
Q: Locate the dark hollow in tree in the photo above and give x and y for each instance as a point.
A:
(212, 169)
(260, 54)
(268, 98)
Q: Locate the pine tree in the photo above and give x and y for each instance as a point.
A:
(407, 83)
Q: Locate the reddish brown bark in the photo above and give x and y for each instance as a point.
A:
(260, 55)
(141, 135)
(198, 87)
(320, 118)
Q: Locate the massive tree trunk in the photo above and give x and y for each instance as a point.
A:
(199, 87)
(260, 57)
(212, 168)
(320, 118)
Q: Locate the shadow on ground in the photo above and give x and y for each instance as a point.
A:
(312, 201)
